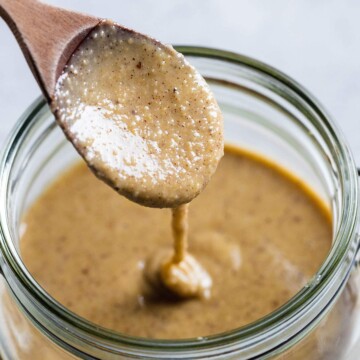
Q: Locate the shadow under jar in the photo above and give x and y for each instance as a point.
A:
(265, 112)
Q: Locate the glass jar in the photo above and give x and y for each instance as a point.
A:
(266, 112)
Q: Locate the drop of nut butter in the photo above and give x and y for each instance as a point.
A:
(179, 272)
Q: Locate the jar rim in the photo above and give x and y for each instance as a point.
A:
(337, 261)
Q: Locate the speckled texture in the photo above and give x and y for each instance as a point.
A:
(258, 234)
(142, 117)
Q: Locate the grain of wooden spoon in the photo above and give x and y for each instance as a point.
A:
(47, 36)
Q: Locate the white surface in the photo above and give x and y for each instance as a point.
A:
(317, 42)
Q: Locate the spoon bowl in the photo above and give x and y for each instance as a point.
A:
(144, 120)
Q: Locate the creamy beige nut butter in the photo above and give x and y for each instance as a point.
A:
(142, 117)
(260, 235)
(147, 123)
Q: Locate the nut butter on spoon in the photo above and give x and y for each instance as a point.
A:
(144, 120)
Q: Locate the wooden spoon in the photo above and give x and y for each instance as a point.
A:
(47, 35)
(146, 158)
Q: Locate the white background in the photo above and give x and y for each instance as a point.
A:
(317, 42)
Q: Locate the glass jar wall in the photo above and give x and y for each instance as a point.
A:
(265, 112)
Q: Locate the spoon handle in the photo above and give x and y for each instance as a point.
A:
(47, 36)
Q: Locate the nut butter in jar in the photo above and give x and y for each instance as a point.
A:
(266, 113)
